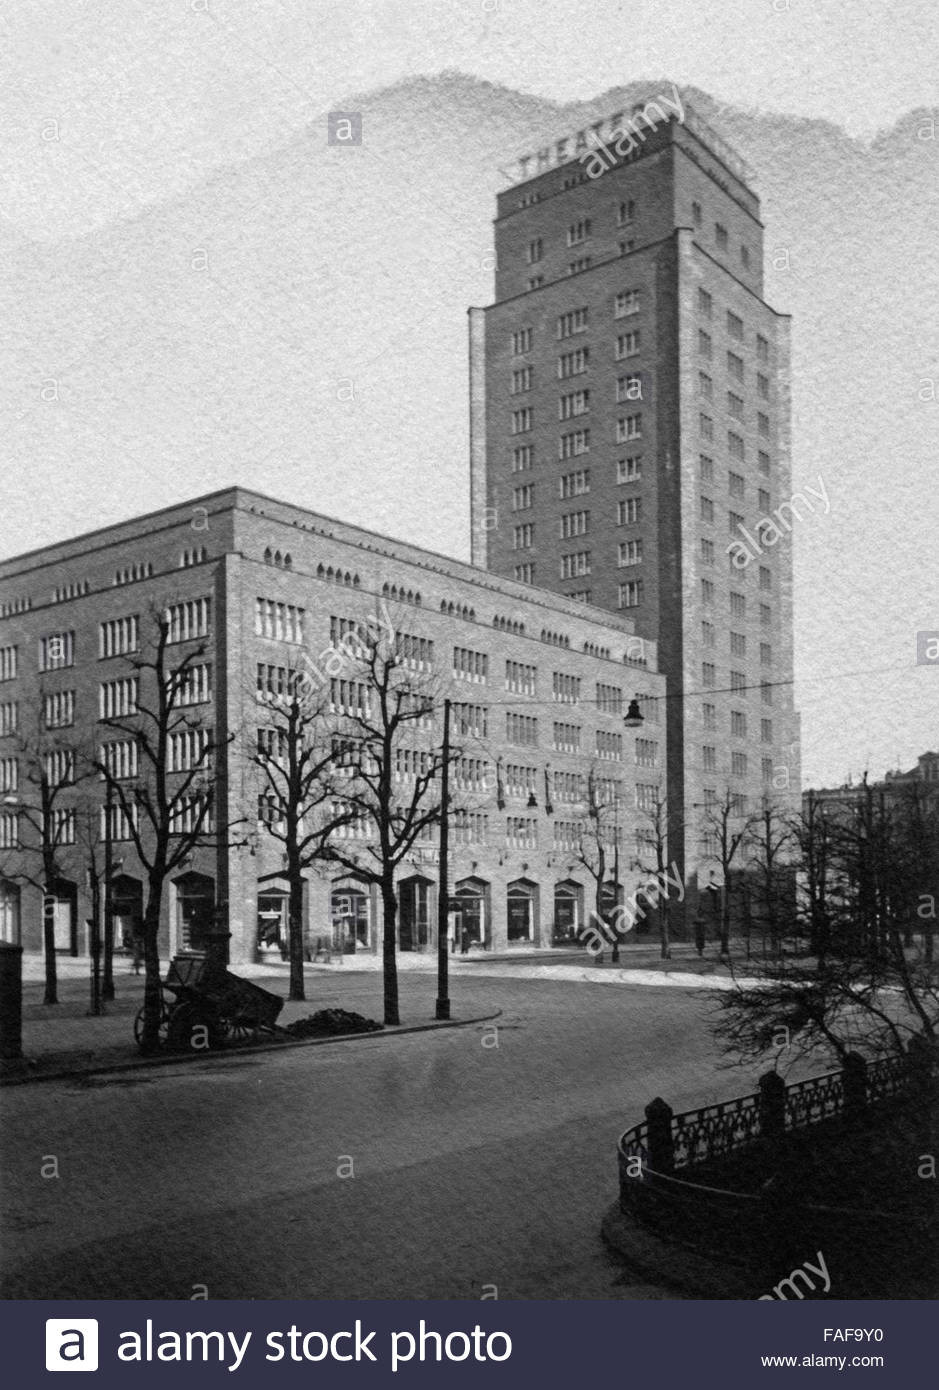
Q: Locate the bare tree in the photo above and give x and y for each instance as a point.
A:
(598, 849)
(300, 765)
(165, 807)
(384, 717)
(50, 768)
(726, 828)
(654, 839)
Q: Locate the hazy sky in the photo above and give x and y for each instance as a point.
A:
(149, 95)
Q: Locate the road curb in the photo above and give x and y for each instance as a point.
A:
(27, 1078)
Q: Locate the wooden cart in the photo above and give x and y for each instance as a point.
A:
(204, 1006)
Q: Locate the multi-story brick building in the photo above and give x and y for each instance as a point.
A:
(631, 437)
(540, 685)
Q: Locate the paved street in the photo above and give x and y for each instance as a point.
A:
(468, 1165)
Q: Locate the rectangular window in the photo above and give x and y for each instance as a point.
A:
(525, 573)
(626, 303)
(534, 251)
(696, 213)
(521, 420)
(707, 510)
(738, 724)
(766, 730)
(120, 757)
(416, 653)
(647, 752)
(762, 424)
(734, 521)
(572, 404)
(735, 366)
(629, 511)
(523, 497)
(609, 699)
(707, 551)
(705, 304)
(762, 348)
(521, 381)
(521, 832)
(762, 386)
(566, 738)
(521, 341)
(8, 663)
(735, 405)
(706, 468)
(736, 484)
(735, 325)
(707, 634)
(710, 716)
(629, 388)
(738, 764)
(576, 564)
(709, 758)
(192, 685)
(705, 344)
(63, 825)
(576, 321)
(705, 386)
(745, 257)
(766, 654)
(630, 594)
(582, 263)
(738, 681)
(763, 460)
(58, 709)
(766, 769)
(520, 678)
(766, 614)
(573, 363)
(574, 524)
(522, 458)
(629, 470)
(708, 674)
(118, 636)
(738, 605)
(578, 232)
(187, 621)
(706, 426)
(627, 345)
(535, 282)
(626, 213)
(574, 484)
(189, 749)
(565, 689)
(117, 698)
(191, 815)
(629, 427)
(280, 622)
(573, 444)
(766, 692)
(56, 651)
(523, 536)
(521, 730)
(707, 593)
(720, 236)
(9, 775)
(735, 447)
(470, 721)
(59, 767)
(470, 665)
(766, 578)
(629, 553)
(763, 500)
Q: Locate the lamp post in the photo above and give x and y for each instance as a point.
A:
(443, 889)
(107, 987)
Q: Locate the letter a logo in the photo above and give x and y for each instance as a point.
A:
(71, 1344)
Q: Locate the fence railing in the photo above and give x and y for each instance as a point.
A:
(665, 1142)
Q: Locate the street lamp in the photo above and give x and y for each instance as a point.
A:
(632, 719)
(443, 889)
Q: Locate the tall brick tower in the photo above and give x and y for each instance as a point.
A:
(630, 436)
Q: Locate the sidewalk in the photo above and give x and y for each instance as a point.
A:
(65, 1039)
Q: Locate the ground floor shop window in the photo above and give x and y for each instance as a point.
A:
(195, 911)
(10, 913)
(273, 933)
(468, 913)
(520, 914)
(568, 913)
(349, 915)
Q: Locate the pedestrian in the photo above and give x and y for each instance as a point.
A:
(464, 942)
(137, 951)
(700, 937)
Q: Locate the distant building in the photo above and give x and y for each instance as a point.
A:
(630, 415)
(540, 684)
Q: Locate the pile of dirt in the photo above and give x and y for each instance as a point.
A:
(328, 1023)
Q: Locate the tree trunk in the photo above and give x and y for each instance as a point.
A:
(51, 995)
(389, 959)
(665, 945)
(152, 991)
(295, 934)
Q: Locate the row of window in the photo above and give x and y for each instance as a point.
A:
(734, 325)
(188, 815)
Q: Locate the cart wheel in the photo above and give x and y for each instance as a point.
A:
(191, 1028)
(163, 1025)
(240, 1030)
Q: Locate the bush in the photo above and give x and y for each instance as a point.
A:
(327, 1023)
